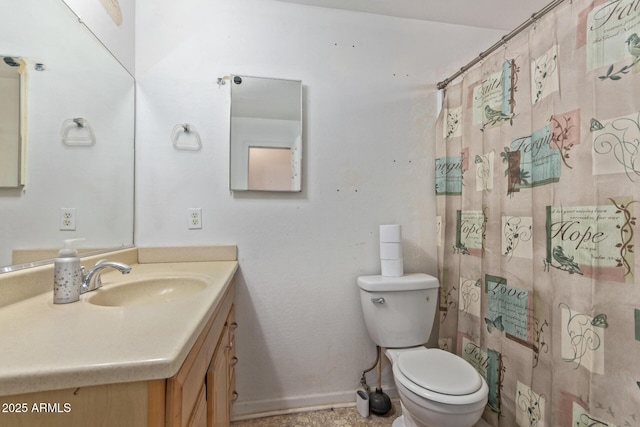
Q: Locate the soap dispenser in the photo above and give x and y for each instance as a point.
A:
(67, 274)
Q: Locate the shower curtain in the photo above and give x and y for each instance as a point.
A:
(538, 189)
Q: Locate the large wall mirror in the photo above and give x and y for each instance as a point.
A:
(266, 134)
(69, 79)
(12, 90)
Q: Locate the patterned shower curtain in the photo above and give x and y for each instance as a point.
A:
(538, 189)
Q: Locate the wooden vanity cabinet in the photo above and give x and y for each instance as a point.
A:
(221, 376)
(200, 394)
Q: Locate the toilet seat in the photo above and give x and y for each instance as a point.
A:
(438, 376)
(439, 371)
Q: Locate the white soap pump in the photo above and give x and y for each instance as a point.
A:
(67, 274)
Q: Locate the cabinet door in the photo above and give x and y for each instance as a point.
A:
(200, 412)
(218, 414)
(198, 394)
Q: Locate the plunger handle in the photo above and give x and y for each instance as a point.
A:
(379, 372)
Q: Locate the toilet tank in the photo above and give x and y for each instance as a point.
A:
(399, 311)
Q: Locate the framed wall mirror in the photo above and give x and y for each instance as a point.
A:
(69, 75)
(12, 132)
(266, 134)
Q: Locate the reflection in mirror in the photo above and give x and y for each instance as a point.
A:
(11, 119)
(266, 134)
(270, 168)
(70, 74)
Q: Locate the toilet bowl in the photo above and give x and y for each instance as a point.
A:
(436, 388)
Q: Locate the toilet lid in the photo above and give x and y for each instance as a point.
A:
(439, 371)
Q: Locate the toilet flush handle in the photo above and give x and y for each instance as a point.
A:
(377, 300)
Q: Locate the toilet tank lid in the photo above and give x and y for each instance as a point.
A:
(408, 282)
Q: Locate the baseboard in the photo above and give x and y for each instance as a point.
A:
(290, 405)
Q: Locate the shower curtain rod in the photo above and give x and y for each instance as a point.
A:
(534, 18)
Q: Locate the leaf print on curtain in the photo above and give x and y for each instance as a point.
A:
(470, 296)
(544, 75)
(537, 265)
(454, 118)
(484, 172)
(530, 407)
(516, 237)
(616, 146)
(582, 341)
(565, 133)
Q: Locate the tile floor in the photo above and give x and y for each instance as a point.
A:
(342, 417)
(338, 417)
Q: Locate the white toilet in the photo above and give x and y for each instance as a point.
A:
(436, 388)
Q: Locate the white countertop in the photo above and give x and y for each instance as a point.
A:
(47, 346)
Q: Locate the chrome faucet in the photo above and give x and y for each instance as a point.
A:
(92, 281)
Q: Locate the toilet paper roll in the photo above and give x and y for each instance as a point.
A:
(390, 250)
(391, 233)
(392, 267)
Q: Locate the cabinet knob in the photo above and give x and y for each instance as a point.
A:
(234, 361)
(233, 326)
(234, 396)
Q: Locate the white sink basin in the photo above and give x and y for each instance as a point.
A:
(149, 290)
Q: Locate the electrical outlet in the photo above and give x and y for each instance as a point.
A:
(195, 218)
(68, 219)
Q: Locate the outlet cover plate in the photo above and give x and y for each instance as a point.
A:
(67, 219)
(195, 218)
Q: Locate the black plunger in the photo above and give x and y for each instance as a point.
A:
(379, 401)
